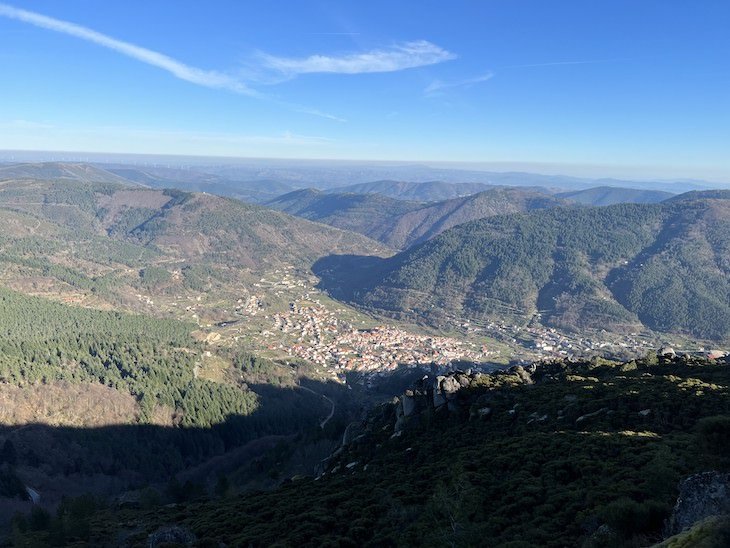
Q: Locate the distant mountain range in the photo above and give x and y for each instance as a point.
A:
(420, 192)
(499, 253)
(260, 181)
(256, 191)
(606, 195)
(400, 224)
(439, 190)
(60, 170)
(664, 266)
(330, 174)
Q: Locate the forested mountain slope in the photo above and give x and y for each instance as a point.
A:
(94, 399)
(373, 215)
(188, 226)
(399, 223)
(557, 454)
(663, 265)
(102, 402)
(425, 223)
(717, 194)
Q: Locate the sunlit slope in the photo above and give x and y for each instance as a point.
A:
(616, 267)
(185, 225)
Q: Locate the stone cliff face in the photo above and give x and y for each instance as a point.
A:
(569, 389)
(460, 393)
(700, 496)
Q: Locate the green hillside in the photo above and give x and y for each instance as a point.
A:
(151, 359)
(180, 224)
(663, 265)
(717, 194)
(373, 215)
(429, 221)
(103, 402)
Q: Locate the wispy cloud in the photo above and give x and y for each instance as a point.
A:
(399, 57)
(207, 78)
(333, 33)
(438, 86)
(315, 112)
(561, 63)
(25, 124)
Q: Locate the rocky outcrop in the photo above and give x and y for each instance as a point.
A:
(589, 416)
(700, 496)
(666, 351)
(524, 376)
(454, 393)
(713, 532)
(171, 536)
(441, 392)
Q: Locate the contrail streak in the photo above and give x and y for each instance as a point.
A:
(207, 78)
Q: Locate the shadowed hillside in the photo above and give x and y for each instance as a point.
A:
(401, 224)
(557, 454)
(104, 402)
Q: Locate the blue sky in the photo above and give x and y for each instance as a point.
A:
(603, 83)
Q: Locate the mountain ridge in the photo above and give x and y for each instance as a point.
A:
(606, 195)
(195, 225)
(614, 267)
(401, 224)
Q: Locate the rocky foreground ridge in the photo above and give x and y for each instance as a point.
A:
(470, 394)
(503, 400)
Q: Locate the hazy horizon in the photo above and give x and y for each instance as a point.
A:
(636, 174)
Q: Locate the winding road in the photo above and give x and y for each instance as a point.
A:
(322, 423)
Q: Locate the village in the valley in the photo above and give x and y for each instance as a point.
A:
(322, 331)
(286, 315)
(320, 337)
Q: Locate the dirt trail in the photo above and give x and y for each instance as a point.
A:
(324, 422)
